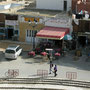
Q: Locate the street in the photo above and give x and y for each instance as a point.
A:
(67, 67)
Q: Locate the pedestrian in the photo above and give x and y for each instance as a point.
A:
(55, 70)
(51, 65)
(48, 55)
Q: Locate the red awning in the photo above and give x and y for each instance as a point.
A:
(52, 32)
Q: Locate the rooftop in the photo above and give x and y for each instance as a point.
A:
(30, 10)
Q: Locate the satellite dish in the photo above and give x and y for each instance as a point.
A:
(76, 21)
(86, 16)
(7, 6)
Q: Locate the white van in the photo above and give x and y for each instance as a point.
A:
(13, 51)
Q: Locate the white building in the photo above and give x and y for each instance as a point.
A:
(63, 23)
(63, 5)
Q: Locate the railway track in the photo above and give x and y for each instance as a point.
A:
(44, 81)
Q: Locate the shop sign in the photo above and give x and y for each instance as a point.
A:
(58, 22)
(32, 19)
(9, 22)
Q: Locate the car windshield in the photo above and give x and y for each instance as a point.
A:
(10, 51)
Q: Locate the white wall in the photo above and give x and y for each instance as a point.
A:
(69, 4)
(52, 4)
(63, 23)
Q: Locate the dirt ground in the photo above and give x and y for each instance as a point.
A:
(5, 44)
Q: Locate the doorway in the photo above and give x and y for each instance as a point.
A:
(31, 36)
(82, 40)
(10, 33)
(65, 5)
(58, 43)
(28, 35)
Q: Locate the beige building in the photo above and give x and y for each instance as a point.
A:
(28, 30)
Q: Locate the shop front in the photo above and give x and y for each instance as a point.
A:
(55, 30)
(82, 30)
(12, 27)
(2, 26)
(54, 34)
(28, 29)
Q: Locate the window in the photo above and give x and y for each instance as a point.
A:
(65, 5)
(2, 31)
(10, 51)
(16, 32)
(17, 49)
(28, 33)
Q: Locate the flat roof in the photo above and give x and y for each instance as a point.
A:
(40, 13)
(31, 10)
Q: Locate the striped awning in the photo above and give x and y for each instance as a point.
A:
(52, 33)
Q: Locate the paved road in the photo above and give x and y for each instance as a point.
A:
(28, 67)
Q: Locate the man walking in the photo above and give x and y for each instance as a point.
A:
(55, 70)
(48, 55)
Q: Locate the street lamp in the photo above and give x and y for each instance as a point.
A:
(33, 33)
(50, 51)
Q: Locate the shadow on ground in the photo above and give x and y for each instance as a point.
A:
(31, 60)
(68, 61)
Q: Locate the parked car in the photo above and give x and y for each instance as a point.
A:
(13, 51)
